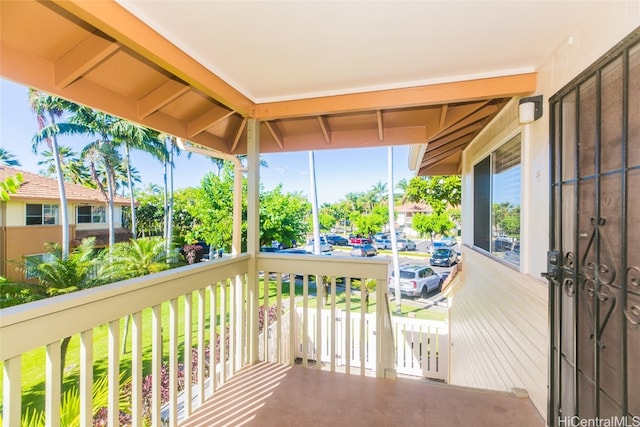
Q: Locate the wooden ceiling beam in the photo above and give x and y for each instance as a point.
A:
(275, 133)
(443, 116)
(380, 126)
(161, 96)
(479, 115)
(82, 58)
(238, 134)
(326, 129)
(445, 151)
(117, 22)
(446, 139)
(207, 120)
(470, 90)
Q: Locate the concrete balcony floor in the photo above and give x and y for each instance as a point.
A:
(269, 394)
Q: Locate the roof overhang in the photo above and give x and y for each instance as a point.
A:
(101, 55)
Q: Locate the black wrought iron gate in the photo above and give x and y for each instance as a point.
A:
(594, 262)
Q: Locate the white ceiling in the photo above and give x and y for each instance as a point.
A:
(282, 50)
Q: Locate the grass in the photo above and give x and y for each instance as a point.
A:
(33, 362)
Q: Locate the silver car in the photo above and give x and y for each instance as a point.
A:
(416, 280)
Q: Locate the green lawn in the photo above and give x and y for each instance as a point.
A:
(33, 363)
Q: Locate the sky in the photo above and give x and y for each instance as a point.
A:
(338, 172)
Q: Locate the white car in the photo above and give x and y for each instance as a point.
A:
(382, 243)
(324, 246)
(406, 245)
(416, 281)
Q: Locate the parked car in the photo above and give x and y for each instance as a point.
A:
(334, 239)
(448, 241)
(406, 245)
(416, 280)
(359, 240)
(324, 246)
(365, 250)
(445, 257)
(382, 243)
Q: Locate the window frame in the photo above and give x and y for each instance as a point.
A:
(484, 186)
(47, 210)
(96, 214)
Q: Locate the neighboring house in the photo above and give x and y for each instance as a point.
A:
(405, 213)
(31, 218)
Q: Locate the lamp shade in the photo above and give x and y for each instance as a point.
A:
(530, 109)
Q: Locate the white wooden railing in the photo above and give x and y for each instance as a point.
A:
(45, 323)
(420, 346)
(226, 303)
(288, 344)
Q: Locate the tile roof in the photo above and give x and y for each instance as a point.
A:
(38, 187)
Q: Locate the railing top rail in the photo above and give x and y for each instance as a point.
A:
(333, 265)
(35, 324)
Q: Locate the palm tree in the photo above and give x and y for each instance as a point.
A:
(103, 159)
(137, 137)
(7, 158)
(378, 192)
(48, 108)
(73, 169)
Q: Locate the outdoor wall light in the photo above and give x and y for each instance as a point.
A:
(530, 109)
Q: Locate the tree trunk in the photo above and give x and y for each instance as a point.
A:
(111, 213)
(64, 211)
(170, 201)
(134, 221)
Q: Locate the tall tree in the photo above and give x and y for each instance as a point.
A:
(132, 136)
(7, 158)
(48, 109)
(73, 169)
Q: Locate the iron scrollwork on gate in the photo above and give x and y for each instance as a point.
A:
(598, 277)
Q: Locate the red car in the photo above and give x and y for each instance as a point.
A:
(359, 240)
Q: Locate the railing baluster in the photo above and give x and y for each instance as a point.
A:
(136, 369)
(232, 320)
(239, 329)
(279, 318)
(333, 324)
(201, 344)
(305, 319)
(12, 391)
(173, 362)
(243, 353)
(156, 364)
(54, 384)
(347, 325)
(188, 344)
(265, 316)
(223, 332)
(319, 301)
(114, 372)
(213, 314)
(293, 335)
(86, 378)
(363, 332)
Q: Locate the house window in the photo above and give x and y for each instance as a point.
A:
(39, 214)
(32, 262)
(496, 201)
(91, 214)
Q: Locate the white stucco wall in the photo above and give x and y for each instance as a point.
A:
(499, 314)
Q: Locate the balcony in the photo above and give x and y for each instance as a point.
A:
(353, 353)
